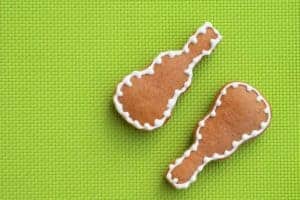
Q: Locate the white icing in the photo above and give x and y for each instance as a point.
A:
(259, 98)
(186, 50)
(194, 40)
(187, 153)
(245, 136)
(167, 113)
(158, 122)
(213, 113)
(158, 61)
(267, 110)
(202, 123)
(194, 147)
(128, 82)
(199, 136)
(235, 85)
(175, 180)
(127, 114)
(263, 125)
(150, 70)
(249, 88)
(235, 144)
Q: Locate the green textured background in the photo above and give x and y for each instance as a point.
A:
(60, 61)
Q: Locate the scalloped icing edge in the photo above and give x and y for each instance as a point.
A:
(150, 70)
(235, 144)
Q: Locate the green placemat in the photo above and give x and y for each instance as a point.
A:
(61, 138)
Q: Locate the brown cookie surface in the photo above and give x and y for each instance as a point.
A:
(239, 113)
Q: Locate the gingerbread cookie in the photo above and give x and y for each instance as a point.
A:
(239, 114)
(146, 98)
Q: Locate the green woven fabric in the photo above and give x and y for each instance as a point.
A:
(61, 138)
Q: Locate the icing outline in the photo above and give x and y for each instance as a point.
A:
(150, 70)
(235, 144)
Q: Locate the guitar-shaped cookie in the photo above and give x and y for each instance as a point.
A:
(239, 114)
(146, 98)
